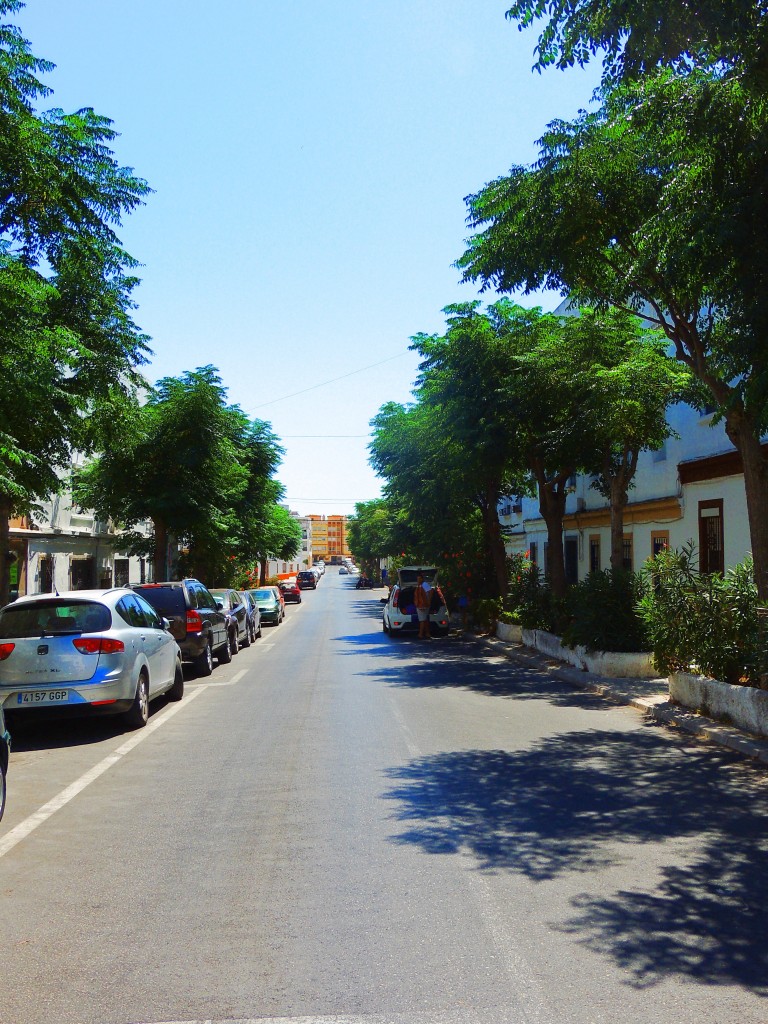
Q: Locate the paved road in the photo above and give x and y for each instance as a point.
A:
(345, 829)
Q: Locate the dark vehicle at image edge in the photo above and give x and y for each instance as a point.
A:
(198, 623)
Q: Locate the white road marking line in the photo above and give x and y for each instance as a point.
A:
(24, 828)
(464, 1016)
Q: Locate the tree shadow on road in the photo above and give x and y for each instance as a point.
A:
(583, 802)
(460, 663)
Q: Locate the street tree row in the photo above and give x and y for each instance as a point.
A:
(655, 200)
(513, 401)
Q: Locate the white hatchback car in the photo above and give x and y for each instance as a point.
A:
(87, 651)
(399, 615)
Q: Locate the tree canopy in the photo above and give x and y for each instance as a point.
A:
(632, 37)
(70, 349)
(648, 205)
(199, 470)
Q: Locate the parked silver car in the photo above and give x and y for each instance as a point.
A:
(87, 651)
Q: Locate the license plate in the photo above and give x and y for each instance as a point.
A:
(44, 697)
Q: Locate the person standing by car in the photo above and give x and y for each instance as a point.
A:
(421, 599)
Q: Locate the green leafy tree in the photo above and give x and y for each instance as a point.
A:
(654, 202)
(177, 467)
(371, 534)
(279, 537)
(71, 351)
(489, 418)
(261, 454)
(632, 38)
(465, 381)
(628, 383)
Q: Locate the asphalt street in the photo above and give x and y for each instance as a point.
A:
(342, 828)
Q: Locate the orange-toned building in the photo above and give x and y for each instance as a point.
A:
(329, 538)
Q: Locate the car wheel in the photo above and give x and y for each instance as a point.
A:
(176, 692)
(204, 662)
(258, 635)
(224, 653)
(247, 638)
(2, 790)
(137, 715)
(234, 642)
(384, 625)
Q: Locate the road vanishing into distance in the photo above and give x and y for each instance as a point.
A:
(348, 829)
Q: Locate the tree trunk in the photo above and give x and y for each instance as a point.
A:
(263, 570)
(552, 507)
(5, 541)
(160, 554)
(619, 483)
(617, 504)
(494, 539)
(746, 440)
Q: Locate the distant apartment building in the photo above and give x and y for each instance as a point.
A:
(303, 557)
(329, 538)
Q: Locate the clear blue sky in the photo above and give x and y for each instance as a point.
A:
(310, 162)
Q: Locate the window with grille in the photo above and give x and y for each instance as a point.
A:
(711, 539)
(594, 553)
(659, 541)
(626, 552)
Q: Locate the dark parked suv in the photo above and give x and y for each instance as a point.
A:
(198, 624)
(306, 579)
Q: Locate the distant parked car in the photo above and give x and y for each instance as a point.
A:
(5, 750)
(306, 579)
(87, 651)
(269, 605)
(235, 608)
(197, 624)
(399, 613)
(291, 591)
(343, 570)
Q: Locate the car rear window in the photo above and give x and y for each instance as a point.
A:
(168, 601)
(264, 595)
(49, 618)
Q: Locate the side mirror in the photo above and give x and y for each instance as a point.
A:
(219, 606)
(166, 623)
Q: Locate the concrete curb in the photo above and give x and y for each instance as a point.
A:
(656, 705)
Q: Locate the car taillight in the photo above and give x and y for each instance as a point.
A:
(194, 622)
(98, 645)
(5, 651)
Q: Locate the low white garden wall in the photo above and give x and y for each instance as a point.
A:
(620, 665)
(743, 706)
(510, 632)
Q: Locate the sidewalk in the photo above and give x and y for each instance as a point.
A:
(650, 696)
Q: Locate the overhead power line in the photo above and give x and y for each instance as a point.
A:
(314, 387)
